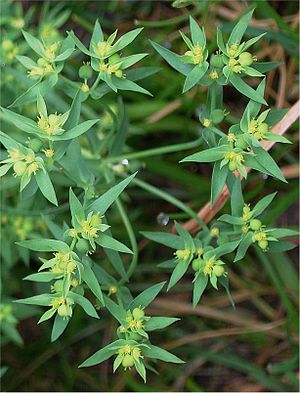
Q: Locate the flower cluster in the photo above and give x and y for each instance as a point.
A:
(88, 229)
(24, 163)
(8, 50)
(52, 124)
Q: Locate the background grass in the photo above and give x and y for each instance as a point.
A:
(252, 348)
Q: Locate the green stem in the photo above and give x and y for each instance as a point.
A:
(155, 151)
(132, 239)
(130, 232)
(291, 312)
(167, 22)
(169, 198)
(95, 84)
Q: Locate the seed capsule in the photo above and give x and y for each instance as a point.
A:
(64, 311)
(58, 285)
(82, 245)
(232, 166)
(85, 71)
(218, 270)
(217, 61)
(127, 361)
(19, 168)
(245, 59)
(217, 116)
(263, 127)
(255, 224)
(196, 264)
(263, 244)
(95, 220)
(114, 59)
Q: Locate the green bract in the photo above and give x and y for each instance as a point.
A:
(107, 62)
(198, 253)
(133, 348)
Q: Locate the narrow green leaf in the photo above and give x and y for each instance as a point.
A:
(200, 284)
(178, 272)
(126, 39)
(116, 311)
(240, 28)
(97, 35)
(209, 155)
(245, 89)
(47, 315)
(34, 43)
(59, 327)
(40, 277)
(153, 352)
(231, 219)
(38, 300)
(79, 44)
(102, 355)
(155, 323)
(167, 239)
(76, 208)
(198, 36)
(92, 282)
(264, 158)
(126, 84)
(41, 105)
(45, 185)
(147, 296)
(46, 245)
(172, 58)
(101, 204)
(218, 181)
(22, 122)
(194, 76)
(85, 304)
(243, 247)
(76, 131)
(263, 204)
(106, 241)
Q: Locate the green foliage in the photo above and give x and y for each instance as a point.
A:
(67, 156)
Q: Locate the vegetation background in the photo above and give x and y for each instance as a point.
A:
(252, 348)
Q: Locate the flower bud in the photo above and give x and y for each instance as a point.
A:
(85, 88)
